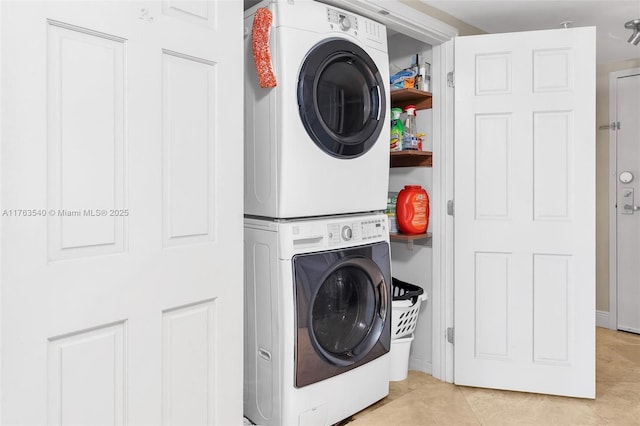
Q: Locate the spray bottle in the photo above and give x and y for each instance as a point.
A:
(410, 139)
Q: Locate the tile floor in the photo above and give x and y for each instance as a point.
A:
(423, 400)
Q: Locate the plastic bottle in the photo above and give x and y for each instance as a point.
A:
(392, 199)
(420, 137)
(425, 74)
(410, 140)
(412, 210)
(397, 130)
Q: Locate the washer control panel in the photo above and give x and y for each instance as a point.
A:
(342, 20)
(357, 231)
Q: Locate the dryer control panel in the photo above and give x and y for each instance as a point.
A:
(344, 21)
(358, 26)
(357, 231)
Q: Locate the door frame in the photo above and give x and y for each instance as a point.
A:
(613, 184)
(1, 204)
(442, 223)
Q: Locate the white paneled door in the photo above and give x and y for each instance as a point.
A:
(121, 256)
(525, 211)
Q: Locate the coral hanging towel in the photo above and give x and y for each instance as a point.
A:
(260, 44)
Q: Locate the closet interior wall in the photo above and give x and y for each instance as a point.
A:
(413, 264)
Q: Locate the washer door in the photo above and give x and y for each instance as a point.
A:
(348, 311)
(342, 310)
(341, 98)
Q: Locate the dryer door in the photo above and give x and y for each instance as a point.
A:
(341, 98)
(343, 310)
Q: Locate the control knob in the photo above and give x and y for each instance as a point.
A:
(345, 23)
(347, 233)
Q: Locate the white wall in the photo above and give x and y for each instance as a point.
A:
(414, 265)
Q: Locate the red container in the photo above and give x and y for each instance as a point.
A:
(412, 210)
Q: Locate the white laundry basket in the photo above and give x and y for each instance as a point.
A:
(399, 354)
(405, 307)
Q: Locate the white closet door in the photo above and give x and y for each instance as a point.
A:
(121, 212)
(525, 211)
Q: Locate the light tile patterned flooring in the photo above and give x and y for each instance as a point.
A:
(423, 400)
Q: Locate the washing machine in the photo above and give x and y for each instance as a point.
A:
(317, 318)
(318, 142)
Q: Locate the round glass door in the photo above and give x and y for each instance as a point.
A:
(341, 98)
(348, 310)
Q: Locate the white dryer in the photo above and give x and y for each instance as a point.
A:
(317, 143)
(317, 318)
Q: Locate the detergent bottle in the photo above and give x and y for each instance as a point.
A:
(412, 210)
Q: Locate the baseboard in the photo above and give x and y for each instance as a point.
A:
(602, 319)
(420, 365)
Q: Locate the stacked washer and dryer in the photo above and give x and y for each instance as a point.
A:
(317, 263)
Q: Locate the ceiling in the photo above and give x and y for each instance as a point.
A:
(607, 16)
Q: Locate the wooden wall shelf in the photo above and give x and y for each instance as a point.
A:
(402, 97)
(420, 239)
(411, 159)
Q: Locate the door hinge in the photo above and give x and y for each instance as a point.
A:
(614, 125)
(450, 335)
(451, 79)
(450, 207)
